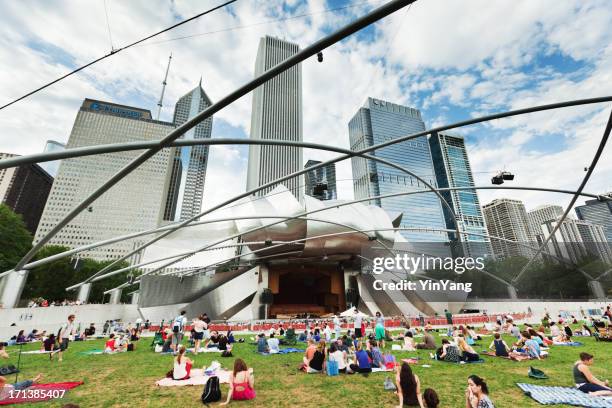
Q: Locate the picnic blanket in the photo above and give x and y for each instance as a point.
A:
(285, 351)
(572, 344)
(48, 391)
(381, 370)
(463, 362)
(563, 395)
(197, 378)
(39, 352)
(97, 352)
(205, 350)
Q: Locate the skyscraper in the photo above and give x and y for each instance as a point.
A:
(577, 239)
(25, 190)
(379, 121)
(453, 169)
(321, 183)
(539, 216)
(276, 114)
(134, 204)
(187, 172)
(598, 212)
(506, 218)
(51, 167)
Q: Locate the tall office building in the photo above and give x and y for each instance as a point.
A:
(452, 167)
(598, 212)
(379, 121)
(539, 216)
(577, 239)
(187, 172)
(506, 218)
(321, 183)
(276, 114)
(51, 167)
(25, 190)
(134, 204)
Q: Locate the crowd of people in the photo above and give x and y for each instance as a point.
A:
(41, 302)
(359, 349)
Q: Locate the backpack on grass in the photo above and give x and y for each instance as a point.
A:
(212, 391)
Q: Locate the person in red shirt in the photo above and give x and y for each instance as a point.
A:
(109, 346)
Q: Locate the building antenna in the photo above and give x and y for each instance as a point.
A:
(161, 98)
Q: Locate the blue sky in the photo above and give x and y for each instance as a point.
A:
(451, 59)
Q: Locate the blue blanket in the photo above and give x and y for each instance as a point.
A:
(572, 344)
(564, 395)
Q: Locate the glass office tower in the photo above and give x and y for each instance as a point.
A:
(453, 170)
(379, 121)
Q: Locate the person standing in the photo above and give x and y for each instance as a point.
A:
(66, 333)
(337, 326)
(449, 317)
(178, 328)
(198, 332)
(357, 324)
(379, 329)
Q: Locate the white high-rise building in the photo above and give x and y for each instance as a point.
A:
(189, 163)
(506, 218)
(540, 215)
(134, 204)
(6, 176)
(276, 114)
(577, 239)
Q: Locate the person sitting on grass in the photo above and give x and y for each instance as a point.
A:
(303, 336)
(109, 346)
(317, 363)
(429, 343)
(408, 387)
(409, 342)
(167, 346)
(500, 346)
(449, 352)
(182, 365)
(242, 383)
(309, 352)
(7, 390)
(363, 365)
(273, 344)
(377, 358)
(339, 356)
(469, 354)
(477, 393)
(587, 382)
(3, 353)
(532, 348)
(224, 344)
(121, 343)
(430, 398)
(213, 341)
(262, 346)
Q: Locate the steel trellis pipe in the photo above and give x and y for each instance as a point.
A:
(591, 168)
(311, 50)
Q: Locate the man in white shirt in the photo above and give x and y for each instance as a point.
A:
(273, 344)
(66, 334)
(337, 326)
(357, 324)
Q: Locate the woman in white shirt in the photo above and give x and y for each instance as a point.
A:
(182, 366)
(339, 356)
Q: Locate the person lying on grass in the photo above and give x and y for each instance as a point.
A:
(6, 389)
(586, 381)
(242, 383)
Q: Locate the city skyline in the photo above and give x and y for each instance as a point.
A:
(537, 59)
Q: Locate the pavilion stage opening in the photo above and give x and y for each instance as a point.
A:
(313, 289)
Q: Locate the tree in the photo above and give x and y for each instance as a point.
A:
(15, 239)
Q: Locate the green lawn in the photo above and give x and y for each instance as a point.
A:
(128, 379)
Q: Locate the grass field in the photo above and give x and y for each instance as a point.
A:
(128, 379)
